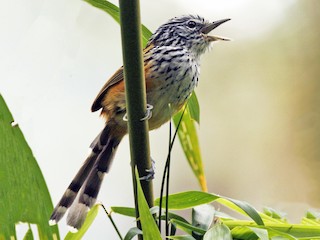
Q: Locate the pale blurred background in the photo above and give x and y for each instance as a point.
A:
(259, 97)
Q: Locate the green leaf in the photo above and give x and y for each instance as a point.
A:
(243, 232)
(174, 216)
(132, 233)
(187, 227)
(114, 12)
(189, 141)
(106, 6)
(149, 227)
(126, 211)
(223, 215)
(312, 214)
(24, 196)
(87, 223)
(274, 213)
(275, 234)
(261, 233)
(242, 207)
(218, 232)
(269, 219)
(181, 237)
(188, 135)
(146, 34)
(290, 231)
(188, 199)
(194, 108)
(29, 234)
(202, 216)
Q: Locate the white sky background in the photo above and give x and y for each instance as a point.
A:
(55, 57)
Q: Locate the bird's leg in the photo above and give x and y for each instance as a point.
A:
(151, 172)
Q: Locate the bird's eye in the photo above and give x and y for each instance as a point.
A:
(192, 24)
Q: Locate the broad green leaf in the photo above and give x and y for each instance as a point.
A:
(189, 141)
(218, 232)
(202, 216)
(242, 207)
(174, 216)
(187, 135)
(282, 238)
(186, 200)
(126, 211)
(24, 196)
(149, 227)
(181, 237)
(243, 232)
(187, 227)
(87, 223)
(261, 233)
(132, 233)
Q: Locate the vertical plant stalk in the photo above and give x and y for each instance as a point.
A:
(135, 95)
(166, 173)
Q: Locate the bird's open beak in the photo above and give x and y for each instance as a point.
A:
(209, 27)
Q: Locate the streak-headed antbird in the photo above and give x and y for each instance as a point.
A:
(171, 67)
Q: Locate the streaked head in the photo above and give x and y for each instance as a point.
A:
(190, 31)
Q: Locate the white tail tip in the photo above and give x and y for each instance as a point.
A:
(52, 222)
(72, 229)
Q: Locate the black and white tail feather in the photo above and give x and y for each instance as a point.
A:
(88, 181)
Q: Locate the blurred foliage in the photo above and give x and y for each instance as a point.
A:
(263, 110)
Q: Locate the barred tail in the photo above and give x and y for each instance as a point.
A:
(88, 179)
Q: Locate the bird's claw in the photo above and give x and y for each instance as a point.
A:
(148, 113)
(146, 117)
(151, 172)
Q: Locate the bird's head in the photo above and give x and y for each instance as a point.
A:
(189, 31)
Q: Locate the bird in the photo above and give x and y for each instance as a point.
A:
(171, 61)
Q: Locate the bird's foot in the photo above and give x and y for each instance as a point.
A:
(148, 113)
(146, 117)
(151, 172)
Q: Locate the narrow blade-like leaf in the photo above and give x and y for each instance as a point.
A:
(243, 208)
(132, 233)
(186, 200)
(218, 232)
(149, 227)
(187, 227)
(126, 211)
(194, 108)
(89, 220)
(189, 141)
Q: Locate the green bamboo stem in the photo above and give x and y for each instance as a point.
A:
(135, 94)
